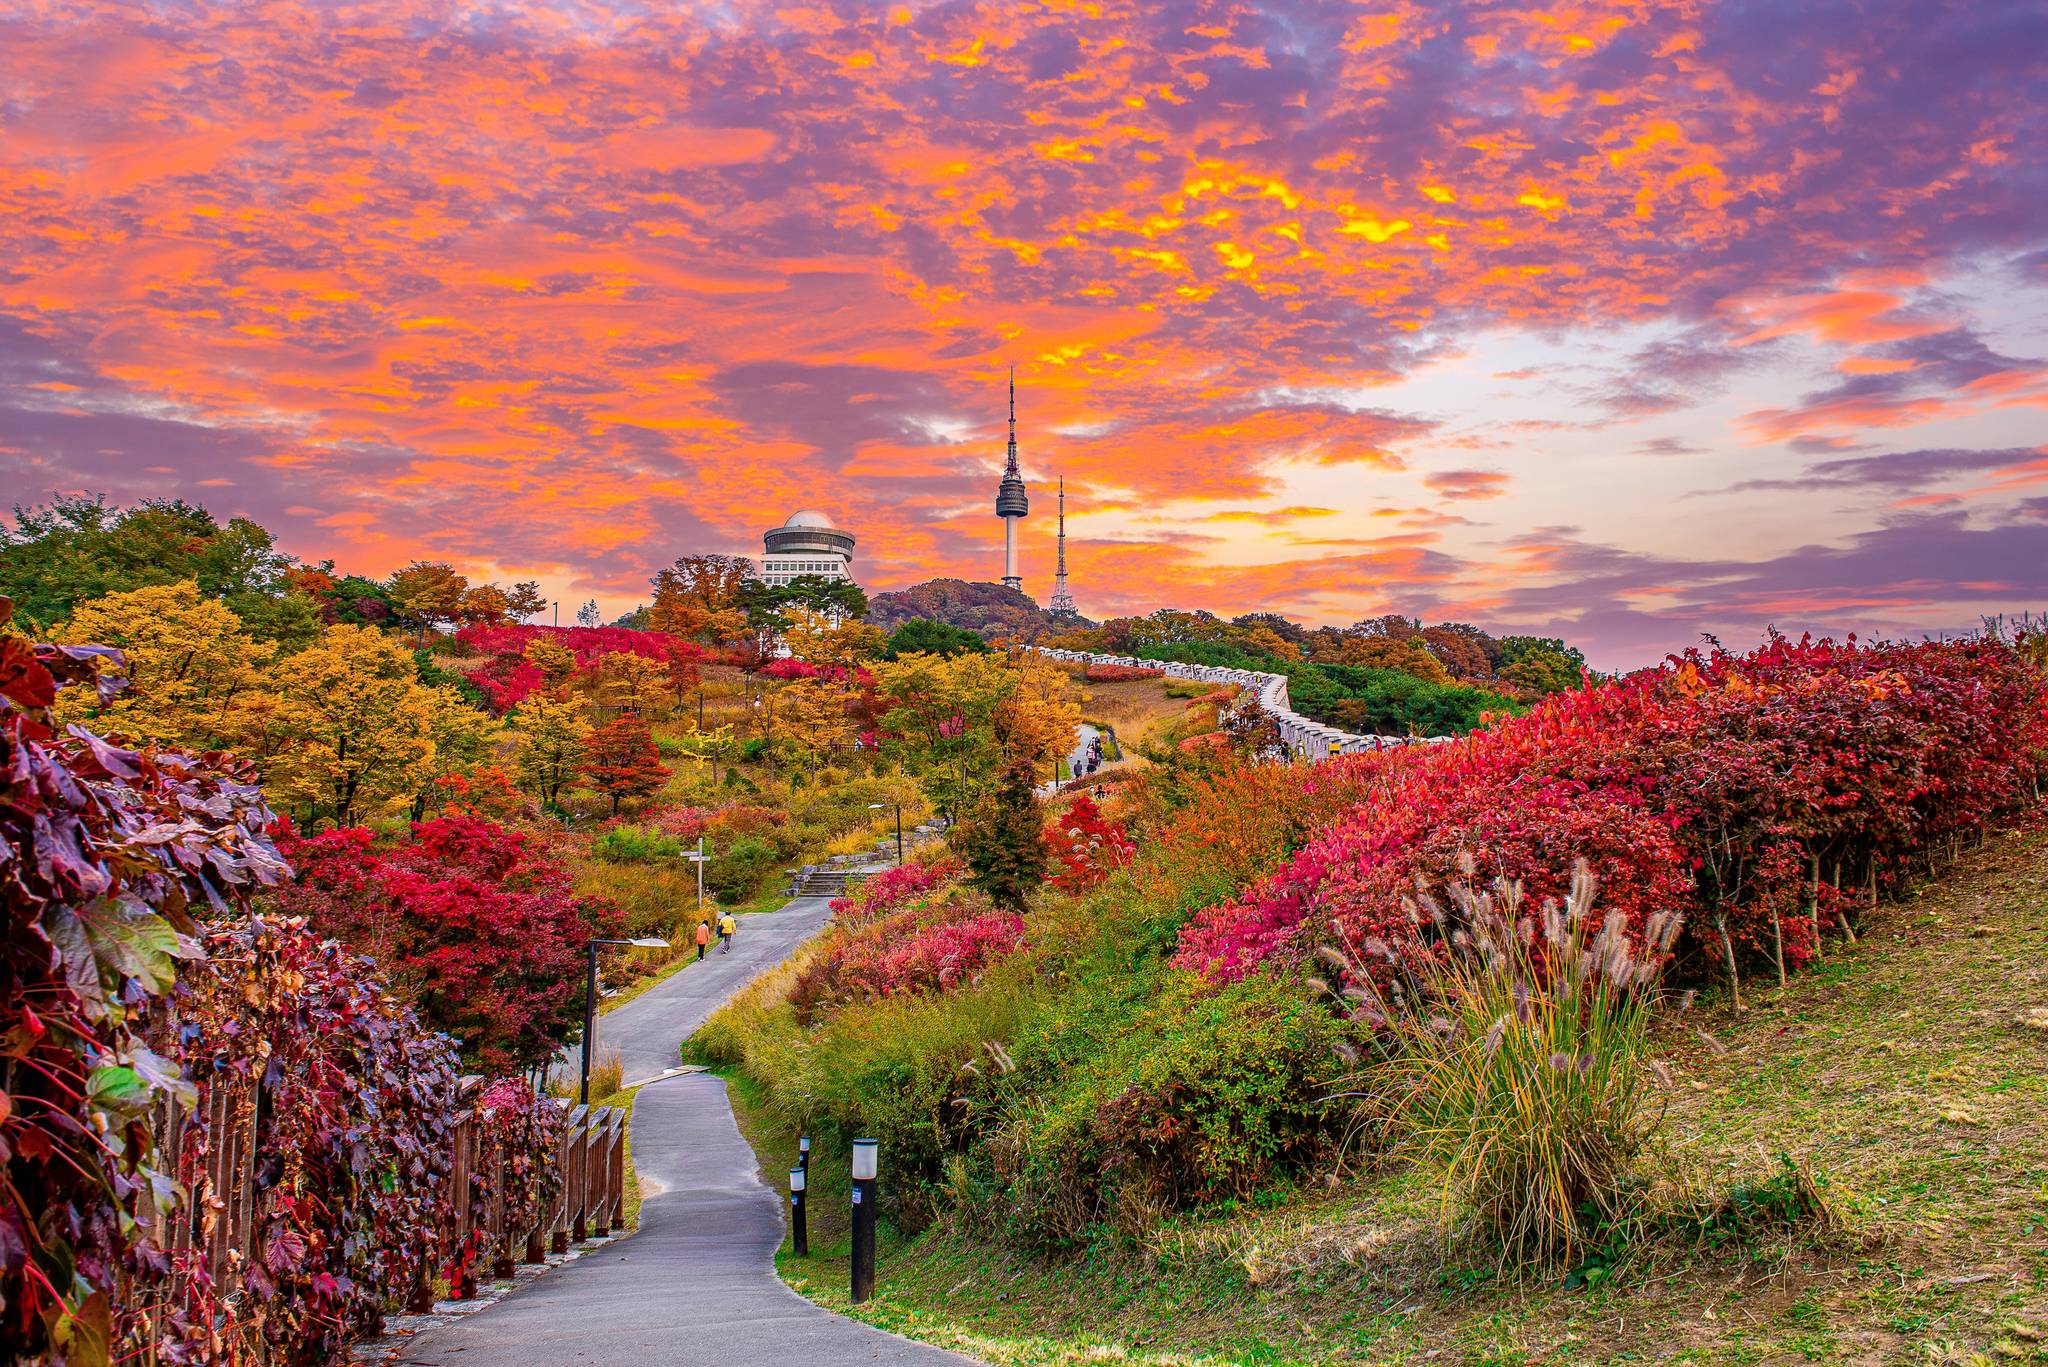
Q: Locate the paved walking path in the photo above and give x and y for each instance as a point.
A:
(697, 1284)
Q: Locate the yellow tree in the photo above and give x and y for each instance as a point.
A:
(815, 637)
(1406, 653)
(1043, 716)
(556, 662)
(623, 682)
(939, 713)
(551, 731)
(188, 660)
(712, 742)
(344, 728)
(698, 597)
(812, 717)
(464, 739)
(486, 605)
(430, 592)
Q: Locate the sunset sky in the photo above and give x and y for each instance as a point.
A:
(1621, 321)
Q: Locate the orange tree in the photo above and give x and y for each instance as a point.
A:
(620, 761)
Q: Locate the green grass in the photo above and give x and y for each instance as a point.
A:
(1909, 1073)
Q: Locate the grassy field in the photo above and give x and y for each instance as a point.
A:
(1906, 1076)
(1139, 710)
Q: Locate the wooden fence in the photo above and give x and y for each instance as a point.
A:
(590, 1162)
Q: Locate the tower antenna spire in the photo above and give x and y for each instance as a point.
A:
(1062, 604)
(1011, 468)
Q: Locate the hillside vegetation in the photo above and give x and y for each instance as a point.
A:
(1220, 1050)
(1907, 1074)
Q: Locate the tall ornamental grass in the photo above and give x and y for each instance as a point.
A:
(1517, 1048)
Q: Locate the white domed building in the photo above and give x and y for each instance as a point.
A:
(806, 544)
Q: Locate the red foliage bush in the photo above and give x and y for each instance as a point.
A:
(107, 857)
(478, 928)
(888, 891)
(353, 1157)
(1757, 793)
(684, 823)
(897, 956)
(1105, 673)
(736, 819)
(518, 1135)
(587, 644)
(791, 668)
(510, 677)
(1086, 847)
(507, 680)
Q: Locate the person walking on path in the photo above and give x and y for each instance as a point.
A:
(703, 939)
(726, 926)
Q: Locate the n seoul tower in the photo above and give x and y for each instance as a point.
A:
(1011, 505)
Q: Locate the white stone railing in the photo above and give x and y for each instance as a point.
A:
(1303, 739)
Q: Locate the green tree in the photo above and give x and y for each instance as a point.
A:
(923, 636)
(78, 549)
(1004, 842)
(1544, 669)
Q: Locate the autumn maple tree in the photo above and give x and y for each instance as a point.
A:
(480, 930)
(697, 597)
(620, 761)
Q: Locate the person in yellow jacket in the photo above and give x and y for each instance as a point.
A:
(726, 926)
(703, 937)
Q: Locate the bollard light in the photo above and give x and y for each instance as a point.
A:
(866, 1161)
(799, 1224)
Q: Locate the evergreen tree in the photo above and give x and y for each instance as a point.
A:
(1005, 843)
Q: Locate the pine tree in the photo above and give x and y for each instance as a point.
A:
(620, 760)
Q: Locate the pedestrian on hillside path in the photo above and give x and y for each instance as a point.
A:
(726, 926)
(703, 939)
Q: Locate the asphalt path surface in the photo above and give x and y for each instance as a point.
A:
(697, 1283)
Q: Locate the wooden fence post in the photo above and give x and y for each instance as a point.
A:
(463, 1140)
(579, 1174)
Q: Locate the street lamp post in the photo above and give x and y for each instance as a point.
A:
(866, 1165)
(877, 806)
(590, 1006)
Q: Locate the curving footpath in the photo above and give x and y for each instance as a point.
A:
(697, 1284)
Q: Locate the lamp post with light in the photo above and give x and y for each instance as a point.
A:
(866, 1164)
(799, 1224)
(876, 807)
(590, 1005)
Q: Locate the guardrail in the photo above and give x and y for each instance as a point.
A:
(1301, 737)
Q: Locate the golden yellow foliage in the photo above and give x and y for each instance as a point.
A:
(345, 729)
(188, 660)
